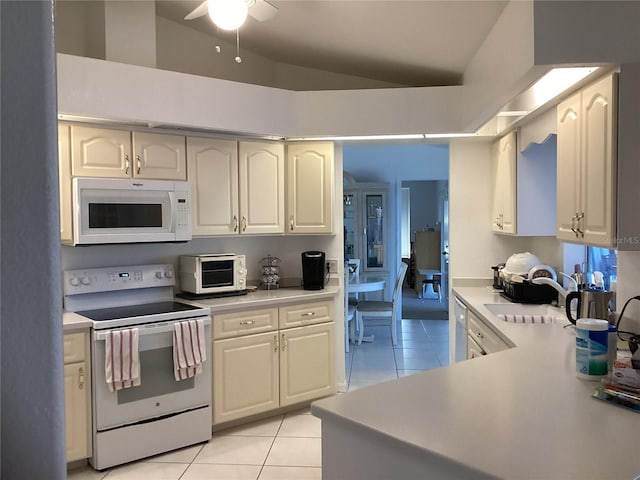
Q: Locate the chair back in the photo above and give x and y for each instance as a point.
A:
(398, 286)
(353, 266)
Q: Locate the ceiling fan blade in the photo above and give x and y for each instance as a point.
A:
(198, 12)
(262, 10)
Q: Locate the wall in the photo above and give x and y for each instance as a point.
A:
(424, 204)
(32, 387)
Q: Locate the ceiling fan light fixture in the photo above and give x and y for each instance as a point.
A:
(227, 14)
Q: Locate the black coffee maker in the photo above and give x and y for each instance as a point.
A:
(313, 270)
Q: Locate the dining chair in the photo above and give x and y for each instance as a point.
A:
(382, 309)
(353, 269)
(349, 311)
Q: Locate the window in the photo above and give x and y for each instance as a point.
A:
(605, 261)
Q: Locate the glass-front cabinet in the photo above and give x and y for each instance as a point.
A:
(365, 225)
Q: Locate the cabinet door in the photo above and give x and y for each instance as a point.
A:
(568, 168)
(598, 163)
(97, 152)
(213, 175)
(504, 193)
(64, 176)
(261, 187)
(159, 156)
(306, 363)
(245, 376)
(310, 188)
(75, 411)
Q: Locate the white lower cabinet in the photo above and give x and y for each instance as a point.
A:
(306, 363)
(259, 372)
(245, 376)
(77, 388)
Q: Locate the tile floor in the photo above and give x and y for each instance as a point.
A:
(288, 446)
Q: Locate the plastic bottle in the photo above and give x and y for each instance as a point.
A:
(592, 345)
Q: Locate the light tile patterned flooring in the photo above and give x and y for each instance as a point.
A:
(288, 446)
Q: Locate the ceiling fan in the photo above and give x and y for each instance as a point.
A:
(261, 10)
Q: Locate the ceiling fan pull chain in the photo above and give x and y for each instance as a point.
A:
(238, 59)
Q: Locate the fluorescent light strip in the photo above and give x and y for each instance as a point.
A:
(357, 138)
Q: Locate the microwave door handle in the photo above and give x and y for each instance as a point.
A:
(174, 211)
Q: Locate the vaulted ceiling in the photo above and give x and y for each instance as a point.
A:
(407, 43)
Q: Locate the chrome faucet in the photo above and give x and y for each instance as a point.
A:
(573, 286)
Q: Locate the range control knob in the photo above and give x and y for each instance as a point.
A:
(168, 273)
(75, 281)
(158, 275)
(85, 280)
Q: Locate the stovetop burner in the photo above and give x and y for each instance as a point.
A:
(132, 311)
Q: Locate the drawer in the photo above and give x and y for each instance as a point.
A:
(486, 338)
(73, 348)
(306, 314)
(235, 324)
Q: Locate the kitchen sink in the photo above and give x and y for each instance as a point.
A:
(525, 313)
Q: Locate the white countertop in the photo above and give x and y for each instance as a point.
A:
(264, 298)
(519, 414)
(72, 322)
(260, 298)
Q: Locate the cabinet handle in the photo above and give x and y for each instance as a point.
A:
(479, 335)
(244, 223)
(307, 314)
(127, 164)
(291, 222)
(284, 342)
(573, 224)
(235, 223)
(275, 343)
(579, 219)
(138, 164)
(247, 322)
(501, 221)
(81, 378)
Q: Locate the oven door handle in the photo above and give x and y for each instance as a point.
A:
(149, 329)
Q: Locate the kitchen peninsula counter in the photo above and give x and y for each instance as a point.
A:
(517, 414)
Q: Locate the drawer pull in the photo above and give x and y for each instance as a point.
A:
(81, 378)
(275, 343)
(284, 342)
(479, 335)
(307, 314)
(247, 322)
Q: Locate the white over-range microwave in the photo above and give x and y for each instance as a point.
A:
(107, 210)
(212, 274)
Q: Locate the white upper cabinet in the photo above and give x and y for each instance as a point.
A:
(98, 152)
(261, 186)
(110, 153)
(64, 178)
(504, 189)
(213, 173)
(587, 165)
(159, 156)
(310, 189)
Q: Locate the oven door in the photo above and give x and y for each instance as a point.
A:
(159, 393)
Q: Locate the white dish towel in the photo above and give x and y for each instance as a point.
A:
(122, 360)
(189, 349)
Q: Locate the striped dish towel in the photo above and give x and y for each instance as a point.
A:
(526, 318)
(189, 349)
(122, 361)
